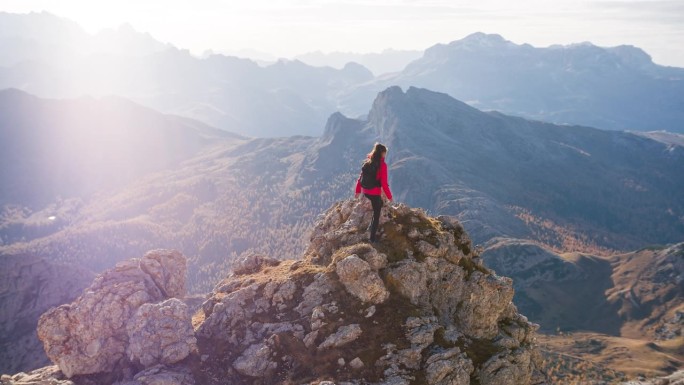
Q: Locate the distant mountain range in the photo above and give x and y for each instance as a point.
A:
(46, 38)
(387, 61)
(282, 99)
(616, 88)
(610, 88)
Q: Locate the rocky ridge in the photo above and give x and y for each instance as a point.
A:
(416, 307)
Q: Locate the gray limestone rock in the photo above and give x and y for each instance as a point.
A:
(228, 317)
(252, 263)
(255, 361)
(421, 331)
(160, 333)
(356, 363)
(314, 293)
(89, 335)
(508, 368)
(410, 280)
(361, 280)
(160, 375)
(343, 336)
(448, 368)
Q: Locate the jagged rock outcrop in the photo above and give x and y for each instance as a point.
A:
(417, 306)
(116, 318)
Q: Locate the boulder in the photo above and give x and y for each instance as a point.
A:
(255, 361)
(160, 333)
(89, 335)
(507, 368)
(448, 368)
(343, 336)
(361, 280)
(252, 263)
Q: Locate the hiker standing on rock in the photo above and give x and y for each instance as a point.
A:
(373, 182)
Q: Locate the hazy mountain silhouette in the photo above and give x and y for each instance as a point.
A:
(387, 61)
(611, 88)
(46, 38)
(53, 57)
(51, 148)
(286, 98)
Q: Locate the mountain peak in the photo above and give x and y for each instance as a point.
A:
(337, 125)
(481, 37)
(393, 101)
(475, 42)
(632, 56)
(481, 40)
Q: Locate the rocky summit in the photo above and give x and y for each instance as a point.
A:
(417, 307)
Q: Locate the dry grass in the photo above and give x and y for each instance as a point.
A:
(585, 358)
(560, 238)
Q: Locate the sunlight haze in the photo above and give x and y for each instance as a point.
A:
(286, 28)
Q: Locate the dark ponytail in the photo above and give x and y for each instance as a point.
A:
(376, 154)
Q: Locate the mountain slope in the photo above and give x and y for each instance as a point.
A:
(603, 318)
(611, 88)
(52, 148)
(609, 184)
(634, 295)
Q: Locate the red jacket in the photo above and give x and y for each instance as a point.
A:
(382, 176)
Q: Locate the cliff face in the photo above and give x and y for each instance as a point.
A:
(416, 307)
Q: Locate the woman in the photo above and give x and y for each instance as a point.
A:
(375, 164)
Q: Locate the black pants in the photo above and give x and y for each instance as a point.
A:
(376, 201)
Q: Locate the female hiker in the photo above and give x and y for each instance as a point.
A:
(373, 182)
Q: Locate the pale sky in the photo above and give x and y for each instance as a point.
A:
(285, 28)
